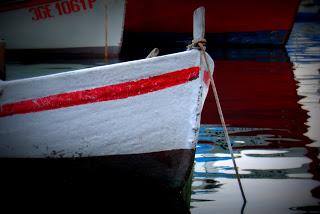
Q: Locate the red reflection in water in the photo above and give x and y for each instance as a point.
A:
(256, 94)
(262, 95)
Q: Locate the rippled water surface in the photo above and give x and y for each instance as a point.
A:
(272, 106)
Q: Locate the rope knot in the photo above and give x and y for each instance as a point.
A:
(198, 44)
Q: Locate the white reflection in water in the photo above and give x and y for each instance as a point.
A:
(249, 160)
(263, 195)
(263, 163)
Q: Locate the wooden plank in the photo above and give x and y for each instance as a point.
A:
(199, 23)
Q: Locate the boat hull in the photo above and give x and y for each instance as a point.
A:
(245, 22)
(135, 107)
(162, 180)
(168, 169)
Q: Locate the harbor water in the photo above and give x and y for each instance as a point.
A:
(271, 103)
(272, 107)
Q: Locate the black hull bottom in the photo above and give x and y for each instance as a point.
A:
(137, 45)
(159, 181)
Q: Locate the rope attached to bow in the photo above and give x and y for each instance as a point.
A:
(200, 44)
(196, 44)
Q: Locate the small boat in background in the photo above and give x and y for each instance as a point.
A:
(62, 29)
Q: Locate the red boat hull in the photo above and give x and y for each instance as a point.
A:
(237, 22)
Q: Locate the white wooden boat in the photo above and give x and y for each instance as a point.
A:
(114, 134)
(144, 106)
(136, 120)
(133, 107)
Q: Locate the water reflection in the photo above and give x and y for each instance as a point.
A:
(304, 51)
(271, 103)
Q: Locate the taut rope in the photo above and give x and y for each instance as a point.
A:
(199, 44)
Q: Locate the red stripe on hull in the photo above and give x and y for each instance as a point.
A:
(105, 93)
(206, 78)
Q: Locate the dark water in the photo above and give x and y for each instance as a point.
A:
(271, 103)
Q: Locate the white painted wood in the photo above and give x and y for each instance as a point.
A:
(22, 89)
(75, 30)
(199, 23)
(163, 120)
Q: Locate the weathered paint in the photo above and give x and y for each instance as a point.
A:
(105, 93)
(162, 120)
